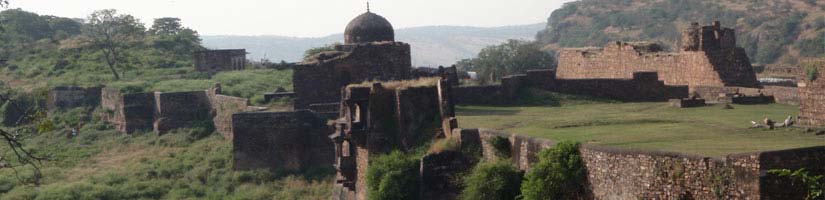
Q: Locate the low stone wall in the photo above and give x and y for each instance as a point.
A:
(68, 97)
(615, 173)
(224, 107)
(783, 95)
(479, 95)
(281, 141)
(181, 109)
(644, 87)
(163, 112)
(128, 112)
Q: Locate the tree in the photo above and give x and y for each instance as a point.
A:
(512, 57)
(311, 52)
(112, 33)
(167, 34)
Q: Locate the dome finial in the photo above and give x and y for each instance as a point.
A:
(368, 6)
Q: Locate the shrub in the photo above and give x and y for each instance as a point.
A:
(811, 72)
(559, 174)
(393, 176)
(498, 180)
(501, 145)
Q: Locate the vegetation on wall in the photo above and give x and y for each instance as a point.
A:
(497, 180)
(559, 174)
(393, 176)
(812, 183)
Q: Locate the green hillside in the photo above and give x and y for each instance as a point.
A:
(774, 33)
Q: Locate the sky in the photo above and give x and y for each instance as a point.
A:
(305, 18)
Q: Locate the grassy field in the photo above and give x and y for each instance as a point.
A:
(708, 131)
(186, 164)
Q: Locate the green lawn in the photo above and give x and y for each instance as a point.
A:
(708, 131)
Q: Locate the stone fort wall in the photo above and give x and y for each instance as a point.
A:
(692, 68)
(812, 94)
(709, 57)
(162, 112)
(642, 87)
(281, 141)
(631, 174)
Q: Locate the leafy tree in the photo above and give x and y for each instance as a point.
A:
(512, 57)
(311, 52)
(393, 176)
(167, 34)
(111, 33)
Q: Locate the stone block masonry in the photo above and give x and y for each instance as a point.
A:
(320, 80)
(128, 112)
(68, 97)
(812, 93)
(181, 109)
(281, 141)
(643, 87)
(709, 58)
(163, 112)
(614, 173)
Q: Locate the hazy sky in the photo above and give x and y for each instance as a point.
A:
(305, 18)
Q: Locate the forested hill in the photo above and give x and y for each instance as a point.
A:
(774, 32)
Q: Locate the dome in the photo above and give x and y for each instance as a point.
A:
(368, 27)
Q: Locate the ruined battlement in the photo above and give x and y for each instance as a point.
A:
(709, 57)
(708, 38)
(165, 111)
(378, 117)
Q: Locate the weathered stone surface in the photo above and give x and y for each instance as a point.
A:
(812, 94)
(128, 112)
(709, 58)
(384, 117)
(644, 87)
(321, 78)
(281, 141)
(181, 109)
(631, 174)
(68, 97)
(214, 61)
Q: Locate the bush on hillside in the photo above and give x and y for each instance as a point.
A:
(559, 174)
(498, 180)
(393, 176)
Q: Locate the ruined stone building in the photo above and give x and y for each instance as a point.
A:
(382, 117)
(214, 61)
(369, 53)
(68, 97)
(709, 57)
(166, 111)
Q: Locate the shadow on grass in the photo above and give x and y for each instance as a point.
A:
(614, 122)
